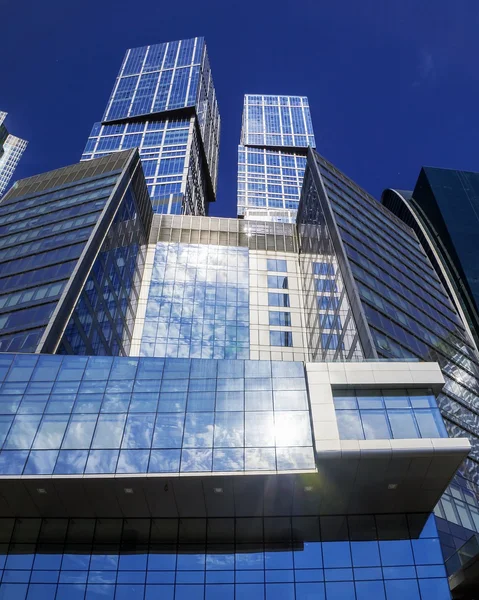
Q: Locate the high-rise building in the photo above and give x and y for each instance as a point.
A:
(72, 245)
(11, 150)
(401, 310)
(164, 103)
(443, 210)
(275, 136)
(199, 408)
(263, 445)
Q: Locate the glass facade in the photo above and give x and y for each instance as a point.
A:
(198, 302)
(11, 150)
(443, 209)
(330, 320)
(104, 315)
(387, 414)
(76, 415)
(272, 156)
(405, 308)
(164, 103)
(300, 558)
(50, 228)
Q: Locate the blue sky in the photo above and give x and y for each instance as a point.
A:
(392, 85)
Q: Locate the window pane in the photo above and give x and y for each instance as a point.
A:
(259, 429)
(281, 338)
(80, 432)
(375, 425)
(109, 431)
(430, 423)
(349, 425)
(402, 424)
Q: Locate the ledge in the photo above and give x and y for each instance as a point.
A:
(352, 478)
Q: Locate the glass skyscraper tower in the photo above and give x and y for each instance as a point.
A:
(250, 447)
(11, 150)
(201, 408)
(443, 210)
(164, 103)
(275, 136)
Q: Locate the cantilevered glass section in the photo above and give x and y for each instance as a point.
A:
(75, 415)
(276, 133)
(11, 150)
(164, 103)
(72, 255)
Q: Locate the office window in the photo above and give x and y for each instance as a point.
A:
(275, 299)
(280, 318)
(325, 285)
(281, 338)
(388, 414)
(323, 268)
(330, 341)
(277, 265)
(278, 281)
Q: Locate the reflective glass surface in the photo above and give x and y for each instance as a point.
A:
(103, 319)
(271, 158)
(76, 415)
(153, 81)
(39, 232)
(305, 558)
(386, 414)
(198, 302)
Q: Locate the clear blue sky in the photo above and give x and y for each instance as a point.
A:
(392, 84)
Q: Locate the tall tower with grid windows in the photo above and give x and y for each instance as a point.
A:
(275, 136)
(11, 150)
(164, 103)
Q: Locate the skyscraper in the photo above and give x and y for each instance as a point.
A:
(198, 408)
(11, 150)
(443, 210)
(164, 103)
(275, 136)
(249, 453)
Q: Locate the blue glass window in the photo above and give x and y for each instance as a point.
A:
(323, 268)
(277, 265)
(281, 338)
(373, 414)
(278, 282)
(325, 286)
(280, 300)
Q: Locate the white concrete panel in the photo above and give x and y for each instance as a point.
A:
(263, 337)
(320, 394)
(338, 377)
(263, 298)
(403, 378)
(324, 430)
(263, 318)
(324, 412)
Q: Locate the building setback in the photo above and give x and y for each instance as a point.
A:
(11, 150)
(275, 136)
(164, 103)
